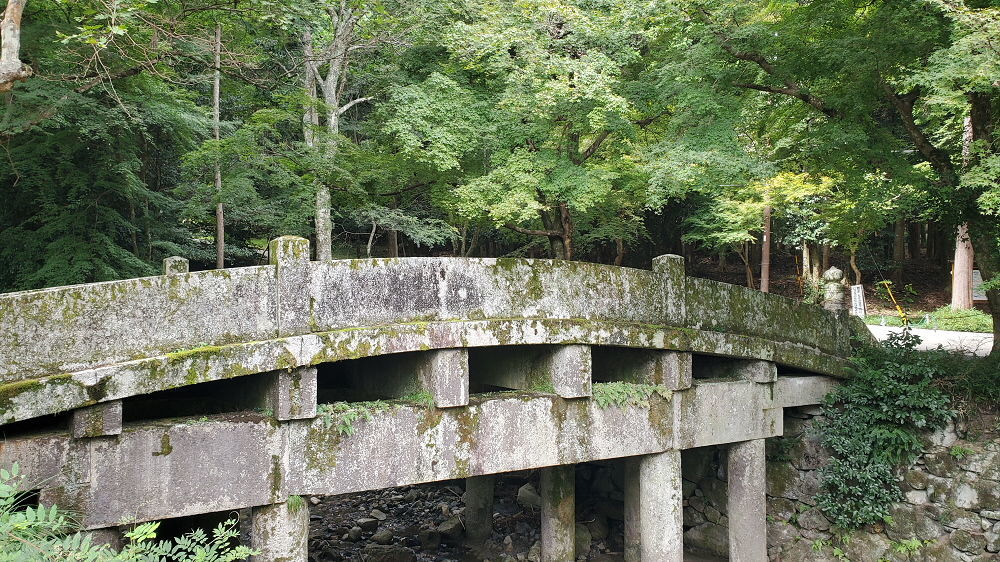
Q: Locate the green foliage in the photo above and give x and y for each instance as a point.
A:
(872, 425)
(49, 533)
(343, 415)
(906, 295)
(621, 394)
(960, 453)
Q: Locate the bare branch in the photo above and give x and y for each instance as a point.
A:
(352, 103)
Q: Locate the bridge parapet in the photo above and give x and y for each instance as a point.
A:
(67, 347)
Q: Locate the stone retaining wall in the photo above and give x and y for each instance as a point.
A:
(951, 505)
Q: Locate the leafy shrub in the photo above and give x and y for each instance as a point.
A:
(49, 533)
(872, 424)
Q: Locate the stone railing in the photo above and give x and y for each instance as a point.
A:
(67, 347)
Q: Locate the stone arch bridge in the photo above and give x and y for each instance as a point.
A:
(190, 393)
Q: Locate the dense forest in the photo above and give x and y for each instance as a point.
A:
(602, 130)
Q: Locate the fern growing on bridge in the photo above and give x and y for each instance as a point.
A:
(50, 533)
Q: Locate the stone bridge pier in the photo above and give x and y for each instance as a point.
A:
(248, 388)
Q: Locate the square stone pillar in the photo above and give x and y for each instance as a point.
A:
(558, 491)
(99, 420)
(654, 503)
(479, 508)
(292, 394)
(747, 504)
(280, 532)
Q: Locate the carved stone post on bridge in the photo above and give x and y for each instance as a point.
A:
(290, 255)
(834, 291)
(558, 491)
(175, 264)
(747, 502)
(654, 503)
(281, 532)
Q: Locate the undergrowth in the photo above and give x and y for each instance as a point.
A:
(50, 533)
(626, 393)
(872, 426)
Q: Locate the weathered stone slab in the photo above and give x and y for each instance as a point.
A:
(176, 469)
(706, 413)
(794, 391)
(491, 436)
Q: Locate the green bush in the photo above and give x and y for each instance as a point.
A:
(49, 533)
(872, 425)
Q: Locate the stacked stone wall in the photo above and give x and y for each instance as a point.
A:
(951, 501)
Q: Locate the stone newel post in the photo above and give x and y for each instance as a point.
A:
(834, 292)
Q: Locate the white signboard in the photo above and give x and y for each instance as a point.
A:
(978, 294)
(858, 306)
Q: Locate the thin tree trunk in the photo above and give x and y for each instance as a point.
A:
(961, 274)
(898, 252)
(744, 254)
(371, 239)
(854, 266)
(826, 257)
(765, 252)
(220, 221)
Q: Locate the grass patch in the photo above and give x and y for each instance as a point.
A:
(944, 318)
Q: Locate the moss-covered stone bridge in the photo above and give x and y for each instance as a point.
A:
(191, 393)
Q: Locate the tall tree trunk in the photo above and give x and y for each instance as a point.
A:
(961, 273)
(913, 240)
(825, 249)
(765, 252)
(220, 219)
(984, 230)
(11, 67)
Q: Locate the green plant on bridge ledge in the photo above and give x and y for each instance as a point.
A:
(622, 394)
(50, 533)
(343, 415)
(872, 424)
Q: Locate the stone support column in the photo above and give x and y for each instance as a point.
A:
(280, 532)
(479, 508)
(654, 503)
(292, 394)
(109, 536)
(747, 506)
(99, 420)
(558, 491)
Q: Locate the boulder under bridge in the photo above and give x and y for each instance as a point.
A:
(200, 392)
